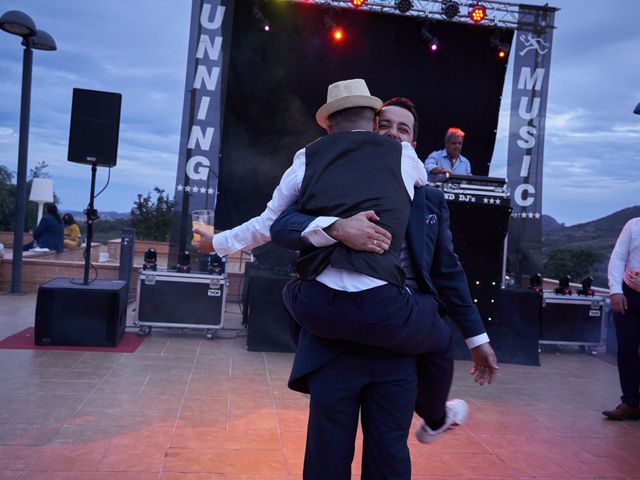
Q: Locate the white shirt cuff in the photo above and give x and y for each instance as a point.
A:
(315, 234)
(473, 342)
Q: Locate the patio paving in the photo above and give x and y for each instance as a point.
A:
(185, 407)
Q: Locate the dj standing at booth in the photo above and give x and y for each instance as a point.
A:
(447, 161)
(624, 284)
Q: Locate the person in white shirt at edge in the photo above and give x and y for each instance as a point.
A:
(339, 278)
(624, 285)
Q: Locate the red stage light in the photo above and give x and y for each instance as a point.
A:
(337, 34)
(478, 13)
(358, 3)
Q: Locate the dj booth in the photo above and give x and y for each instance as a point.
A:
(480, 209)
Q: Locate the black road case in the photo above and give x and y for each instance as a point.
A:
(183, 300)
(572, 320)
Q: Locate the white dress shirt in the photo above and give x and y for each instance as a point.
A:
(255, 232)
(625, 255)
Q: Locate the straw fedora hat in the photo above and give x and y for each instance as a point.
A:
(346, 94)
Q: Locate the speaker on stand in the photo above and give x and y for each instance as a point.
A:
(70, 313)
(93, 140)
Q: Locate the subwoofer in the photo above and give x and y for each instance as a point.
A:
(71, 314)
(95, 126)
(263, 311)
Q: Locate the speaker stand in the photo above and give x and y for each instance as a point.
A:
(92, 216)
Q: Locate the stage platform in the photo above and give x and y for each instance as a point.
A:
(184, 407)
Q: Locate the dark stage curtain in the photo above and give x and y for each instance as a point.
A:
(277, 81)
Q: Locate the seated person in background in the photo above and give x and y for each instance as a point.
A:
(71, 232)
(447, 161)
(50, 232)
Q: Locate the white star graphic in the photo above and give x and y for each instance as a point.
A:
(530, 215)
(210, 191)
(179, 188)
(537, 215)
(187, 189)
(202, 189)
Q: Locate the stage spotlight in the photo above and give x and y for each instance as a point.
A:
(263, 22)
(451, 10)
(184, 262)
(586, 287)
(477, 13)
(535, 282)
(502, 48)
(358, 3)
(337, 34)
(403, 6)
(150, 260)
(563, 285)
(432, 42)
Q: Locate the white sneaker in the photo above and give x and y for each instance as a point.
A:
(457, 411)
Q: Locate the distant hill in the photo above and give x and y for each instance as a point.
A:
(598, 236)
(80, 216)
(549, 224)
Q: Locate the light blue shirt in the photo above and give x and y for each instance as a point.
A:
(439, 158)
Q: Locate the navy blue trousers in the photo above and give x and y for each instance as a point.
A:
(379, 386)
(398, 319)
(628, 337)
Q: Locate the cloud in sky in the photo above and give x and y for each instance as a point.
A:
(139, 48)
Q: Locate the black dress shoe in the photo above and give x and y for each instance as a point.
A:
(623, 412)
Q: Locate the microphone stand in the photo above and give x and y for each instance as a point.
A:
(92, 216)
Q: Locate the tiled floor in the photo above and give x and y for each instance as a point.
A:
(184, 407)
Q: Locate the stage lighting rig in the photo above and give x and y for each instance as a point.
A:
(358, 3)
(586, 287)
(477, 13)
(563, 285)
(150, 260)
(535, 283)
(450, 9)
(404, 6)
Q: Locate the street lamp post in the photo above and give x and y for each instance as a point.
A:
(19, 23)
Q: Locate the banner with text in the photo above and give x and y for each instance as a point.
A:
(532, 59)
(198, 161)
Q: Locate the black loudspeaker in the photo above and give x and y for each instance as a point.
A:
(69, 314)
(95, 125)
(513, 331)
(478, 231)
(263, 311)
(127, 244)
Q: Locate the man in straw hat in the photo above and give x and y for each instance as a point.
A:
(433, 271)
(327, 172)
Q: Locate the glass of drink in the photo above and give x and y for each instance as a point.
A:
(202, 220)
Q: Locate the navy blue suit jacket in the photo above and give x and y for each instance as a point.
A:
(437, 268)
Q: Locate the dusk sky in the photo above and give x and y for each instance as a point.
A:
(139, 49)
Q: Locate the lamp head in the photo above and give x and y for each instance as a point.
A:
(41, 190)
(43, 41)
(18, 23)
